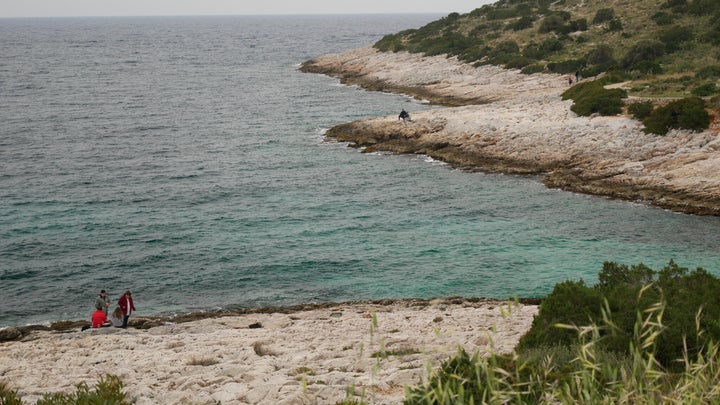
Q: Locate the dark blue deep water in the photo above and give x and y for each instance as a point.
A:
(183, 159)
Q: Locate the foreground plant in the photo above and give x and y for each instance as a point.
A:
(108, 391)
(593, 375)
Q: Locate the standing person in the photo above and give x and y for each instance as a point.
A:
(102, 302)
(126, 305)
(404, 116)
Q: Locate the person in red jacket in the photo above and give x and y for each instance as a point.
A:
(126, 304)
(99, 319)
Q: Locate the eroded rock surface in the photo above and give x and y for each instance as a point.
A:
(505, 121)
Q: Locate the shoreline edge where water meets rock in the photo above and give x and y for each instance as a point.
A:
(292, 355)
(500, 120)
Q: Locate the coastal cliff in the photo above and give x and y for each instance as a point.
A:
(504, 121)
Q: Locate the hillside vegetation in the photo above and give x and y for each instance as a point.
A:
(639, 336)
(657, 48)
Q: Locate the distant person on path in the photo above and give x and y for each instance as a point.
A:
(126, 305)
(102, 302)
(99, 319)
(117, 318)
(404, 116)
(577, 76)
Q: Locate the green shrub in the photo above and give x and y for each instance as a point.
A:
(658, 122)
(583, 372)
(474, 53)
(714, 103)
(518, 62)
(713, 34)
(674, 4)
(570, 302)
(641, 109)
(600, 55)
(551, 23)
(674, 36)
(663, 18)
(551, 45)
(703, 7)
(534, 68)
(534, 51)
(451, 43)
(689, 298)
(522, 23)
(615, 25)
(709, 72)
(646, 50)
(108, 391)
(705, 90)
(578, 25)
(390, 43)
(502, 14)
(482, 11)
(604, 14)
(591, 97)
(508, 47)
(688, 113)
(646, 67)
(8, 396)
(566, 66)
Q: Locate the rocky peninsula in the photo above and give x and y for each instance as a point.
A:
(504, 121)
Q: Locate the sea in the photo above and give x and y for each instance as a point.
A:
(184, 159)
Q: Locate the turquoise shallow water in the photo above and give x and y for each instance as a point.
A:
(183, 158)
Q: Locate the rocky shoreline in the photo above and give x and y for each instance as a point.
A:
(319, 354)
(503, 121)
(16, 333)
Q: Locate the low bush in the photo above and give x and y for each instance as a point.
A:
(522, 23)
(582, 372)
(108, 391)
(709, 72)
(646, 50)
(674, 36)
(677, 6)
(646, 67)
(391, 43)
(604, 14)
(591, 97)
(534, 68)
(600, 55)
(578, 25)
(705, 90)
(518, 62)
(663, 18)
(566, 66)
(692, 310)
(688, 113)
(551, 45)
(641, 109)
(615, 25)
(704, 7)
(8, 396)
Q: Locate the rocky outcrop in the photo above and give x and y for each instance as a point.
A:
(513, 123)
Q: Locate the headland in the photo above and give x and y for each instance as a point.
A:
(500, 120)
